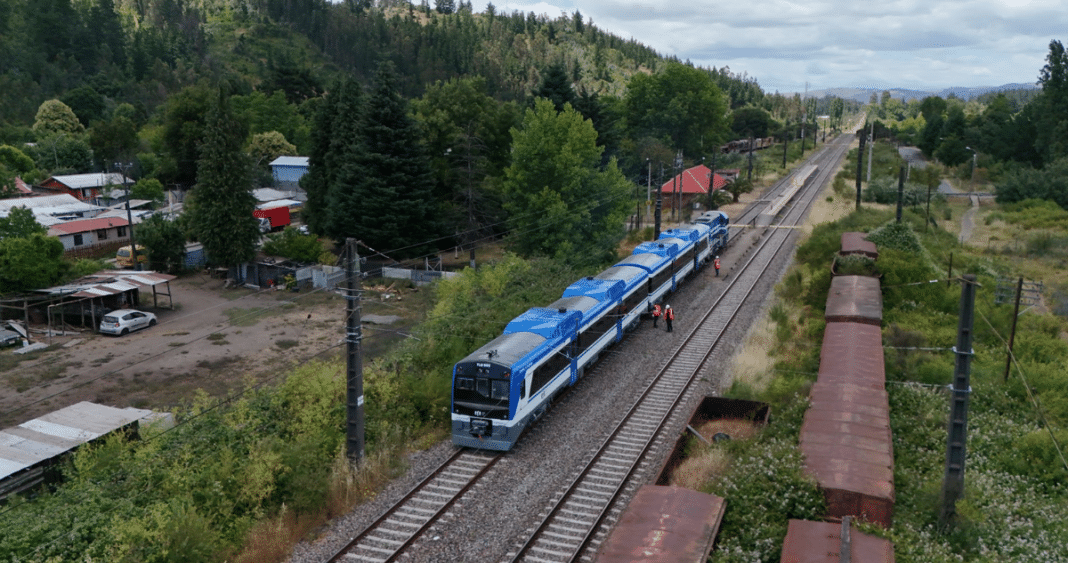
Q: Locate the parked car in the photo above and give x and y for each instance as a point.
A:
(9, 338)
(123, 321)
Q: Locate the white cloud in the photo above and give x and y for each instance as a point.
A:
(828, 43)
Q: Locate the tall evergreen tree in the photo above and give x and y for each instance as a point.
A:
(1053, 128)
(221, 210)
(383, 192)
(556, 86)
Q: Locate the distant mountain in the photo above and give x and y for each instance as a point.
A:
(863, 95)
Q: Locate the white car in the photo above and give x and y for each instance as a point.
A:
(123, 321)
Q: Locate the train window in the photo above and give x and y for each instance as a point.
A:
(482, 386)
(465, 383)
(499, 389)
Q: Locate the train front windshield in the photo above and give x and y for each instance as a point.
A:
(481, 389)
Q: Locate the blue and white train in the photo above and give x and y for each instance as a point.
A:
(503, 387)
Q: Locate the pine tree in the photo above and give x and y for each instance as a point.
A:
(383, 192)
(221, 210)
(556, 86)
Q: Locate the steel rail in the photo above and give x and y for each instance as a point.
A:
(405, 522)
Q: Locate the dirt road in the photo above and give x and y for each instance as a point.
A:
(216, 339)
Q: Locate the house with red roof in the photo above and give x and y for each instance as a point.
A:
(692, 184)
(86, 233)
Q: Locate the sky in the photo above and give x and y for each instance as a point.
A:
(914, 44)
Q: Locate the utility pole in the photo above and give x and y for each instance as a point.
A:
(871, 149)
(956, 444)
(124, 167)
(1012, 333)
(900, 191)
(749, 174)
(659, 204)
(648, 186)
(860, 166)
(354, 428)
(785, 144)
(712, 180)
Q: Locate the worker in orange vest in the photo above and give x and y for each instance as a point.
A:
(716, 264)
(669, 316)
(656, 314)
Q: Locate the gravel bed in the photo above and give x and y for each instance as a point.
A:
(491, 519)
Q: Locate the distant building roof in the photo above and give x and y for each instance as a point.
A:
(86, 225)
(268, 194)
(109, 282)
(290, 161)
(93, 180)
(53, 205)
(694, 181)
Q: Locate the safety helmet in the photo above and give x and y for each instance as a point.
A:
(669, 306)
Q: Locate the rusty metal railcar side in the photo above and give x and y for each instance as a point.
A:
(832, 542)
(665, 525)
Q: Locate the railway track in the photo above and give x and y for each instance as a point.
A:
(581, 516)
(389, 536)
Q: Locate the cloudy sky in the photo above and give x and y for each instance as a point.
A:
(915, 44)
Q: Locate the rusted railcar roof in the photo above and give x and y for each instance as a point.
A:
(856, 243)
(665, 525)
(824, 542)
(855, 298)
(852, 352)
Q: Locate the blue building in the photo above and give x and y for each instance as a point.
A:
(287, 170)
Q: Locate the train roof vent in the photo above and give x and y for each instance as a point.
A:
(562, 310)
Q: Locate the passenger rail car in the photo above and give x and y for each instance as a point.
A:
(507, 384)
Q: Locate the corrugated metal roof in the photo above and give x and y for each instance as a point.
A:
(109, 283)
(856, 243)
(92, 180)
(40, 439)
(694, 181)
(665, 525)
(855, 298)
(823, 542)
(846, 436)
(290, 161)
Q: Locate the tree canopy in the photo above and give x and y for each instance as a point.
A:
(220, 213)
(681, 104)
(561, 203)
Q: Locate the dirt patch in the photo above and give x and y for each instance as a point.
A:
(216, 339)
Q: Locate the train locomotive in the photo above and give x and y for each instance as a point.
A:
(504, 386)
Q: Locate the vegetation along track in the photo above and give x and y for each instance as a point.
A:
(582, 515)
(622, 461)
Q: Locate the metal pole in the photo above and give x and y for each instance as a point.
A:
(648, 186)
(659, 204)
(871, 149)
(124, 167)
(860, 166)
(785, 144)
(956, 444)
(900, 191)
(354, 427)
(1012, 334)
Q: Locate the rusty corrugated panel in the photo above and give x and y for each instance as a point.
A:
(823, 542)
(665, 525)
(852, 352)
(855, 298)
(855, 243)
